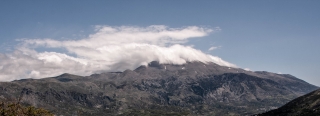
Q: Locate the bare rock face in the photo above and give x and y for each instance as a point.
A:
(194, 88)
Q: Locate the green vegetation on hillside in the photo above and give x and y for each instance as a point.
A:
(16, 109)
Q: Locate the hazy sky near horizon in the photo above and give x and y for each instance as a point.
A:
(280, 36)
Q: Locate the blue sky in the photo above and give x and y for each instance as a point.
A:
(270, 35)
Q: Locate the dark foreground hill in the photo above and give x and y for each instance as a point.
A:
(307, 105)
(193, 88)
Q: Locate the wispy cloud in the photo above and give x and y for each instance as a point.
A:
(247, 69)
(213, 48)
(108, 49)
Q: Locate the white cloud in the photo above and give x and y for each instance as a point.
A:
(109, 49)
(247, 69)
(106, 35)
(213, 48)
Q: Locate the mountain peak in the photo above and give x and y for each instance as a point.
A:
(156, 64)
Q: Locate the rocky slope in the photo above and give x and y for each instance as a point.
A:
(194, 88)
(307, 105)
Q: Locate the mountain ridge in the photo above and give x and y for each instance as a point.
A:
(194, 88)
(306, 105)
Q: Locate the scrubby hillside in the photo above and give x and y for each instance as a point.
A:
(307, 105)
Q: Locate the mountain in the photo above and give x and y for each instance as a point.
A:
(307, 105)
(194, 88)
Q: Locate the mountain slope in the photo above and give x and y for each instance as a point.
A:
(193, 88)
(307, 105)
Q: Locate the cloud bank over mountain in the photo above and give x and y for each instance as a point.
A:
(108, 49)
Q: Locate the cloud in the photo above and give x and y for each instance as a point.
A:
(106, 35)
(213, 48)
(108, 49)
(247, 69)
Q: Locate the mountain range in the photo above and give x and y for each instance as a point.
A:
(194, 88)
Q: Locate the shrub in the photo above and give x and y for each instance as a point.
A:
(15, 109)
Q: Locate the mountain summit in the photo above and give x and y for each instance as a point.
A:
(194, 88)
